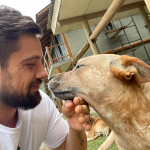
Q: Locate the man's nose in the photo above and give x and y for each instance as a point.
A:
(41, 72)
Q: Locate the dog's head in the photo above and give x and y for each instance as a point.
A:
(99, 78)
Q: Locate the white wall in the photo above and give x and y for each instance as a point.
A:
(78, 38)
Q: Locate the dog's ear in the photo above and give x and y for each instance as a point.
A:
(127, 67)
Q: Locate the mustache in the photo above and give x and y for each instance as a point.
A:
(35, 82)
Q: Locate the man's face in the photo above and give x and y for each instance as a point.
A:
(20, 81)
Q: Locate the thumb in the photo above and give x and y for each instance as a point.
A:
(68, 109)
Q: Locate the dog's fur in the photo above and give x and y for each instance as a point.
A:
(118, 88)
(98, 128)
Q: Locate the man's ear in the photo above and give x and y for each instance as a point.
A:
(128, 68)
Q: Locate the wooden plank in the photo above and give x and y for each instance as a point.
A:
(147, 4)
(60, 104)
(117, 32)
(60, 57)
(49, 55)
(111, 31)
(88, 32)
(46, 63)
(56, 45)
(42, 23)
(127, 46)
(97, 14)
(111, 11)
(81, 52)
(67, 45)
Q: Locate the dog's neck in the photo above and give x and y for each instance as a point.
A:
(128, 115)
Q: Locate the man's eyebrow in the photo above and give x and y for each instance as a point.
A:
(30, 58)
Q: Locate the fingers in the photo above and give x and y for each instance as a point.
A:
(78, 101)
(76, 106)
(78, 114)
(87, 126)
(84, 118)
(68, 104)
(68, 109)
(82, 109)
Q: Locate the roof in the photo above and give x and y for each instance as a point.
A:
(41, 20)
(67, 15)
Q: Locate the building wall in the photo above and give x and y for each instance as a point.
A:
(78, 38)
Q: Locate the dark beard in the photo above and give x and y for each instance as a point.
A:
(13, 98)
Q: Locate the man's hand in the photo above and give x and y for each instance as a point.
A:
(78, 114)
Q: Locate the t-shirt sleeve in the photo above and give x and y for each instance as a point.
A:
(57, 129)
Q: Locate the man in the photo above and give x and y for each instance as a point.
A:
(27, 116)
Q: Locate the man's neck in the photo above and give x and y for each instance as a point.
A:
(8, 116)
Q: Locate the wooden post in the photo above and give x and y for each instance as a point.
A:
(81, 53)
(111, 11)
(59, 102)
(145, 17)
(46, 63)
(67, 46)
(49, 55)
(148, 4)
(88, 33)
(59, 70)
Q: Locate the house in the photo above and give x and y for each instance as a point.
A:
(75, 29)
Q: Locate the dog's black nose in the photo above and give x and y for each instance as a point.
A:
(51, 77)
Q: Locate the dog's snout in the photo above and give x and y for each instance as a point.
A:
(51, 77)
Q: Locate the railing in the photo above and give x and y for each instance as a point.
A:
(48, 60)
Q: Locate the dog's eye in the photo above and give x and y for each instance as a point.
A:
(78, 66)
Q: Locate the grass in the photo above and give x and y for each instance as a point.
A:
(95, 144)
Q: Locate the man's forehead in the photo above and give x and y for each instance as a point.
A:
(31, 58)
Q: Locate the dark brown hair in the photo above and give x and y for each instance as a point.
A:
(12, 26)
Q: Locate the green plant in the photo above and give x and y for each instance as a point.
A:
(148, 15)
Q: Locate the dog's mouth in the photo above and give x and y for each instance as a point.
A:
(65, 94)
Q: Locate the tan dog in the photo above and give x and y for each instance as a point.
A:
(118, 88)
(98, 128)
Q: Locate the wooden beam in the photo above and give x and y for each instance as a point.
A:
(147, 4)
(45, 44)
(111, 31)
(59, 102)
(97, 14)
(42, 23)
(111, 11)
(126, 46)
(88, 32)
(46, 38)
(59, 70)
(41, 14)
(81, 52)
(67, 45)
(49, 55)
(46, 63)
(117, 31)
(56, 45)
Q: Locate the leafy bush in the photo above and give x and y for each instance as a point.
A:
(148, 15)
